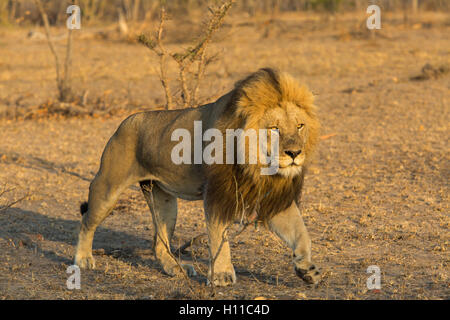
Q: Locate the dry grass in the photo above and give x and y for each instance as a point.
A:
(377, 193)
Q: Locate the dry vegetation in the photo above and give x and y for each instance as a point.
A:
(377, 194)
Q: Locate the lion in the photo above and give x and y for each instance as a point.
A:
(140, 152)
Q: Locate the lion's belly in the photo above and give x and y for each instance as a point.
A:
(190, 192)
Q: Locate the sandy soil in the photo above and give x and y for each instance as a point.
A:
(377, 193)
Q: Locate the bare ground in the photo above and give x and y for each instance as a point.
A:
(377, 193)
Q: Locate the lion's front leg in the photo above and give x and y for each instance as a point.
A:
(220, 266)
(289, 226)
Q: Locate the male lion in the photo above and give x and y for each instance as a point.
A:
(140, 151)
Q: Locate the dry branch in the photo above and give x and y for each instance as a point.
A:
(186, 58)
(62, 82)
(158, 47)
(8, 205)
(198, 54)
(328, 136)
(49, 38)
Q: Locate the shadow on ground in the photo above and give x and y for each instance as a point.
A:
(37, 231)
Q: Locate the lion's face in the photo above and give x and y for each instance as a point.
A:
(278, 103)
(290, 123)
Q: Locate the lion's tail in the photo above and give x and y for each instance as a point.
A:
(83, 208)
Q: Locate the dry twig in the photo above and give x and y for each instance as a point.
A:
(158, 47)
(328, 136)
(8, 205)
(186, 58)
(62, 82)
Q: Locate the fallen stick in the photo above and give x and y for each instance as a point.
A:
(327, 136)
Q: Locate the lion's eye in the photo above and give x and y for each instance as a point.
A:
(300, 126)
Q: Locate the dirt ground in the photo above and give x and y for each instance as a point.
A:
(377, 193)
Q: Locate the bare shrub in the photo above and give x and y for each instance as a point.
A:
(4, 205)
(63, 80)
(194, 57)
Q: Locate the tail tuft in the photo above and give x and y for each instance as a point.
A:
(84, 208)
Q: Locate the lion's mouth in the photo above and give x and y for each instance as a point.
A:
(289, 162)
(290, 171)
(292, 165)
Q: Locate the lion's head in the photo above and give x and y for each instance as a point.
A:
(274, 101)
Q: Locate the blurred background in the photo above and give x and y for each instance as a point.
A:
(115, 25)
(99, 11)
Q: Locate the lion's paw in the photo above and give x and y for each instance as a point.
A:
(308, 273)
(85, 262)
(223, 279)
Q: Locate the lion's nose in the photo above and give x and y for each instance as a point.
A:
(293, 154)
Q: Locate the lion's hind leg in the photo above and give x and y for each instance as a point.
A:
(103, 195)
(118, 170)
(163, 207)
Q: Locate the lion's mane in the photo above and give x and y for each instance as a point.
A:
(236, 191)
